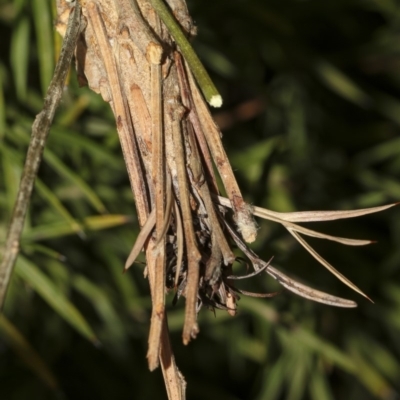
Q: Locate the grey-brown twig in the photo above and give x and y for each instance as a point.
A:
(40, 131)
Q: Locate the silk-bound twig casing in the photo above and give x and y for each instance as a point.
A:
(169, 142)
(172, 148)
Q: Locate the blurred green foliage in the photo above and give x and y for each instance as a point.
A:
(325, 137)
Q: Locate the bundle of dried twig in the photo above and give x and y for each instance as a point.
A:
(171, 145)
(135, 55)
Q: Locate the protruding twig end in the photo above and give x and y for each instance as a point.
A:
(215, 101)
(153, 362)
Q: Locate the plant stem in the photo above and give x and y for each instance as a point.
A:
(40, 131)
(208, 88)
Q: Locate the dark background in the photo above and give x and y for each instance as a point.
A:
(311, 120)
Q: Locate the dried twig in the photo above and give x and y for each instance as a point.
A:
(135, 54)
(40, 131)
(167, 133)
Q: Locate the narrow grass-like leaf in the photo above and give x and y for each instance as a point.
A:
(370, 377)
(250, 160)
(342, 84)
(308, 292)
(70, 138)
(250, 348)
(274, 381)
(389, 185)
(318, 386)
(325, 263)
(379, 153)
(99, 222)
(54, 297)
(75, 110)
(10, 175)
(297, 372)
(2, 102)
(94, 223)
(309, 216)
(312, 233)
(267, 313)
(378, 355)
(38, 248)
(388, 106)
(44, 36)
(100, 300)
(125, 285)
(67, 173)
(326, 349)
(16, 340)
(315, 216)
(19, 56)
(53, 200)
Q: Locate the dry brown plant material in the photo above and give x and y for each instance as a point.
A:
(171, 144)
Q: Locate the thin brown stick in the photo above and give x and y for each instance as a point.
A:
(201, 186)
(124, 126)
(141, 239)
(40, 131)
(220, 246)
(158, 175)
(194, 119)
(190, 328)
(158, 168)
(174, 381)
(158, 160)
(243, 215)
(168, 206)
(180, 243)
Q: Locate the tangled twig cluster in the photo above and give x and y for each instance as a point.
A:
(172, 149)
(135, 53)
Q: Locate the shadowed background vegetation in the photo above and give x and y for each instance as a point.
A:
(311, 120)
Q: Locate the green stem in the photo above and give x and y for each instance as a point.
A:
(208, 88)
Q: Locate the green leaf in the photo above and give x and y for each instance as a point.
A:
(44, 34)
(388, 185)
(379, 153)
(113, 327)
(378, 355)
(342, 84)
(11, 174)
(260, 308)
(251, 348)
(98, 152)
(57, 229)
(67, 173)
(297, 372)
(19, 56)
(250, 160)
(273, 382)
(319, 387)
(326, 349)
(53, 200)
(370, 377)
(54, 297)
(2, 102)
